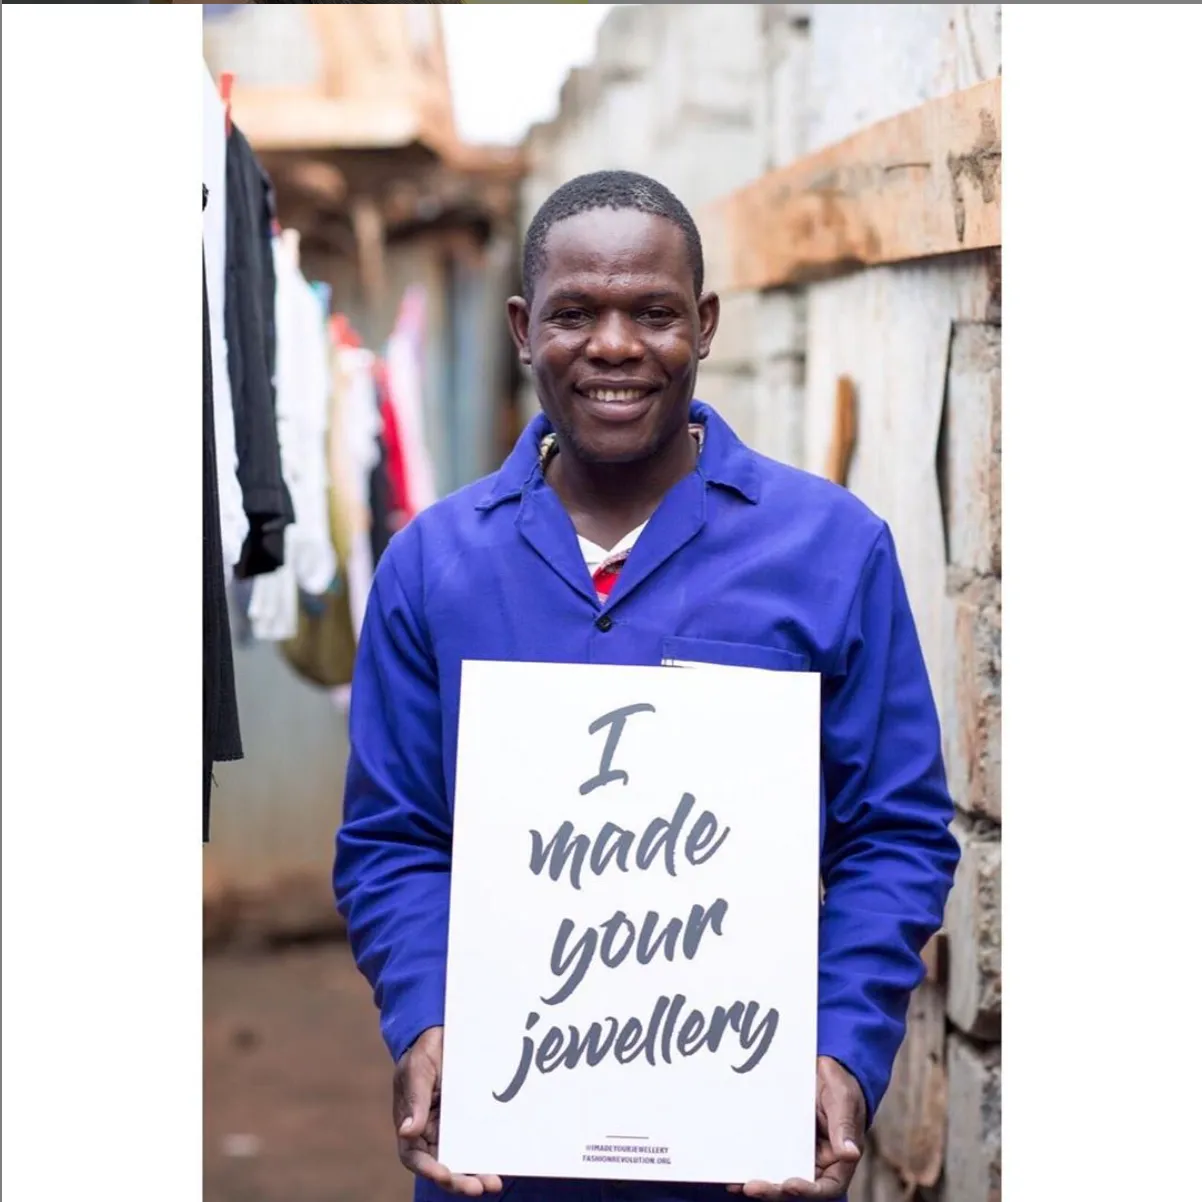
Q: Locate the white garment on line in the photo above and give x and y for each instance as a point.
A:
(361, 414)
(302, 383)
(403, 358)
(234, 525)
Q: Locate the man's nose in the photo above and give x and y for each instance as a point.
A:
(615, 339)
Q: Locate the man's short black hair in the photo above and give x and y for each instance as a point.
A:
(607, 190)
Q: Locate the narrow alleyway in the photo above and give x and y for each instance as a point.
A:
(296, 1081)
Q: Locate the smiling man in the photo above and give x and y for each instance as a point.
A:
(631, 526)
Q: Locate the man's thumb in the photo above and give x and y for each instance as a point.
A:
(843, 1141)
(418, 1088)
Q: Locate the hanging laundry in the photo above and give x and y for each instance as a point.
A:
(404, 358)
(354, 452)
(392, 448)
(233, 524)
(221, 737)
(251, 337)
(302, 418)
(323, 648)
(384, 511)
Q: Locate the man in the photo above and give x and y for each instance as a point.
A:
(629, 516)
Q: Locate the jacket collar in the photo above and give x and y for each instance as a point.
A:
(725, 461)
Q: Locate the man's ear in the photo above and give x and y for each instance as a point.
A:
(707, 312)
(518, 313)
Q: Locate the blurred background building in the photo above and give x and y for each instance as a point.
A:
(844, 163)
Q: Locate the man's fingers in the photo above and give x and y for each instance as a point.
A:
(765, 1190)
(468, 1185)
(768, 1191)
(824, 1157)
(422, 1164)
(830, 1185)
(471, 1186)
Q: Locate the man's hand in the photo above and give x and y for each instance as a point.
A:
(840, 1140)
(416, 1088)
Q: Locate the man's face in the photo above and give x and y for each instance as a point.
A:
(614, 333)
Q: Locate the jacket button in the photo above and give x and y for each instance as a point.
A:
(604, 623)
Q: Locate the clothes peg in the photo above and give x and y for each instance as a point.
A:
(227, 87)
(344, 333)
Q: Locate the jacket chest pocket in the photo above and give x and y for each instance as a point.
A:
(712, 653)
(708, 653)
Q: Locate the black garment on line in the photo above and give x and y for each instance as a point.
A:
(382, 501)
(382, 506)
(250, 346)
(222, 737)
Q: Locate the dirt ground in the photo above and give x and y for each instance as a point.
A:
(297, 1081)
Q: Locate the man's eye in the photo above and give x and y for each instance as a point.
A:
(570, 316)
(658, 315)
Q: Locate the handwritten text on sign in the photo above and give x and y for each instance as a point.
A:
(625, 952)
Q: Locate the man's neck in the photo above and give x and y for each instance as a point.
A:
(608, 500)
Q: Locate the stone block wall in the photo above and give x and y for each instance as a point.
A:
(707, 98)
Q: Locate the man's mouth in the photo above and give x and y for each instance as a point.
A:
(609, 404)
(616, 394)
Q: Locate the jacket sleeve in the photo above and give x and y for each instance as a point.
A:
(392, 868)
(888, 856)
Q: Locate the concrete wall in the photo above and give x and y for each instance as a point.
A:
(707, 98)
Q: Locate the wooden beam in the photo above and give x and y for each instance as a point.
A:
(323, 182)
(843, 439)
(297, 119)
(926, 182)
(368, 224)
(934, 958)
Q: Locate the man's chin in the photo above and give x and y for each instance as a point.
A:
(613, 451)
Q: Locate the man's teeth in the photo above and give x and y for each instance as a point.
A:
(616, 394)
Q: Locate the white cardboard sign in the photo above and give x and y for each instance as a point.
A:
(632, 971)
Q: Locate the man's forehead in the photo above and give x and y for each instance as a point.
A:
(610, 242)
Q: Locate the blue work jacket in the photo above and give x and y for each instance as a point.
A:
(746, 562)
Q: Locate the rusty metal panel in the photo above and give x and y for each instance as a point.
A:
(275, 812)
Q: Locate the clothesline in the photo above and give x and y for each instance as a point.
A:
(319, 454)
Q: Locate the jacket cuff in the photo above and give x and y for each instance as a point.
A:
(402, 1031)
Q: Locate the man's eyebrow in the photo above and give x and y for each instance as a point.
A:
(566, 296)
(574, 296)
(661, 294)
